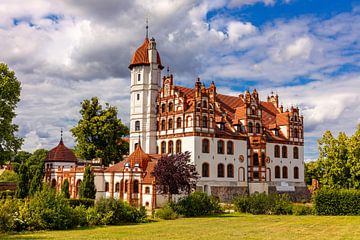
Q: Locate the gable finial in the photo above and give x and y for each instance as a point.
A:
(139, 142)
(61, 135)
(147, 28)
(168, 70)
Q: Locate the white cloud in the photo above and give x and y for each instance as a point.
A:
(237, 30)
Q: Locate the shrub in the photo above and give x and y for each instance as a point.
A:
(302, 210)
(114, 212)
(7, 194)
(262, 203)
(86, 202)
(166, 213)
(337, 202)
(197, 204)
(9, 209)
(80, 216)
(93, 218)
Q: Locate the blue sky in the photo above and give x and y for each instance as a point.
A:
(307, 51)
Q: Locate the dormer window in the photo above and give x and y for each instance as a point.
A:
(276, 132)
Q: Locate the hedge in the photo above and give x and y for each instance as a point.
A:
(86, 202)
(7, 194)
(337, 202)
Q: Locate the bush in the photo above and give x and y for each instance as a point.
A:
(262, 203)
(7, 194)
(337, 202)
(166, 213)
(197, 204)
(302, 210)
(86, 202)
(114, 212)
(9, 219)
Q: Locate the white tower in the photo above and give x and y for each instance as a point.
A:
(145, 70)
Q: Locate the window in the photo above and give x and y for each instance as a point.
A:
(178, 122)
(53, 183)
(163, 107)
(284, 172)
(222, 126)
(136, 186)
(296, 172)
(230, 147)
(284, 152)
(117, 187)
(220, 147)
(277, 151)
(296, 133)
(163, 147)
(204, 104)
(171, 147)
(106, 186)
(296, 153)
(220, 169)
(138, 96)
(139, 77)
(263, 158)
(170, 123)
(147, 190)
(277, 172)
(250, 127)
(188, 121)
(137, 126)
(205, 170)
(255, 159)
(204, 122)
(205, 146)
(230, 171)
(170, 107)
(276, 132)
(256, 175)
(162, 125)
(126, 185)
(257, 127)
(178, 146)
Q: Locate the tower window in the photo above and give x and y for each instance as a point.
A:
(250, 127)
(178, 122)
(138, 96)
(139, 77)
(258, 128)
(137, 126)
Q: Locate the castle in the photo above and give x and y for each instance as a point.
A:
(239, 144)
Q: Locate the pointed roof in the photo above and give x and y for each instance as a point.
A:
(141, 56)
(61, 153)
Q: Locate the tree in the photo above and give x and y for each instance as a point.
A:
(65, 189)
(9, 97)
(174, 174)
(354, 158)
(87, 186)
(99, 133)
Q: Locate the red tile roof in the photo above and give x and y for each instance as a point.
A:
(61, 154)
(141, 56)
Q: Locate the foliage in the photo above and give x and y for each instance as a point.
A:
(262, 203)
(7, 194)
(99, 131)
(338, 165)
(174, 174)
(197, 204)
(301, 209)
(337, 202)
(87, 186)
(114, 212)
(86, 202)
(166, 213)
(9, 96)
(8, 209)
(9, 176)
(65, 188)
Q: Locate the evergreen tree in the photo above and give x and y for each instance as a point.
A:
(87, 186)
(65, 189)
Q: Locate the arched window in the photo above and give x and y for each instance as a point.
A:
(284, 172)
(284, 151)
(122, 185)
(230, 147)
(178, 122)
(126, 185)
(78, 183)
(205, 146)
(263, 157)
(230, 171)
(163, 147)
(162, 125)
(296, 153)
(171, 147)
(188, 121)
(296, 172)
(220, 170)
(53, 183)
(296, 133)
(205, 170)
(204, 104)
(204, 122)
(277, 151)
(106, 187)
(277, 172)
(117, 187)
(258, 129)
(220, 146)
(171, 107)
(147, 190)
(255, 159)
(178, 146)
(253, 111)
(170, 123)
(137, 126)
(163, 107)
(250, 127)
(136, 186)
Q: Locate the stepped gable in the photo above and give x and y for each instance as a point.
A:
(61, 154)
(141, 56)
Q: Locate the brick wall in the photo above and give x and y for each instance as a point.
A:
(300, 194)
(227, 194)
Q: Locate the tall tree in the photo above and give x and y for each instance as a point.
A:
(9, 97)
(87, 186)
(99, 133)
(65, 188)
(174, 174)
(354, 158)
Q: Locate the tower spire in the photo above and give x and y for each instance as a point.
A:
(147, 28)
(61, 135)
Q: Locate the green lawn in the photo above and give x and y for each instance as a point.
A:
(233, 226)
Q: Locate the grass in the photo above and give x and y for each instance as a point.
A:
(230, 226)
